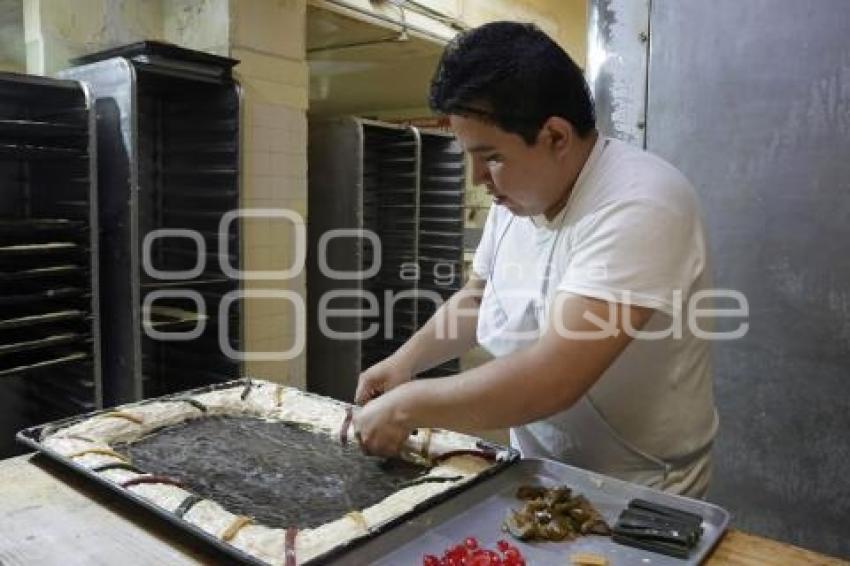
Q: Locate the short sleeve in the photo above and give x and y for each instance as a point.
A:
(639, 252)
(482, 261)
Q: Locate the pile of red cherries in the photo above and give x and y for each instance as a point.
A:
(469, 553)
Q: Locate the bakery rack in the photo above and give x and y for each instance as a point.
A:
(406, 185)
(49, 321)
(169, 159)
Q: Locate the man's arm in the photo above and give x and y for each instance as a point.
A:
(523, 387)
(446, 335)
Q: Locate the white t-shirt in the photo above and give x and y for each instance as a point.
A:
(630, 233)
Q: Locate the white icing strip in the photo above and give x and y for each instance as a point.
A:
(66, 446)
(210, 517)
(401, 502)
(263, 542)
(326, 416)
(103, 429)
(313, 542)
(168, 497)
(119, 476)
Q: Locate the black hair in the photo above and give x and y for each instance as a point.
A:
(514, 75)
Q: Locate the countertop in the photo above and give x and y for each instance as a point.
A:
(51, 516)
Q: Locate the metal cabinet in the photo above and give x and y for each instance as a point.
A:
(168, 123)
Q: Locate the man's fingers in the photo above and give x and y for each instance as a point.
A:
(362, 395)
(377, 446)
(360, 442)
(367, 394)
(359, 395)
(386, 447)
(367, 389)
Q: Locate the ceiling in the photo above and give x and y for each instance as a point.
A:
(358, 67)
(12, 33)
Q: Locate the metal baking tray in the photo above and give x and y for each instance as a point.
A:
(479, 511)
(31, 437)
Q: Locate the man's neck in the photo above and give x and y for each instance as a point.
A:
(585, 149)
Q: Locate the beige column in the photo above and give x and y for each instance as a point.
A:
(268, 37)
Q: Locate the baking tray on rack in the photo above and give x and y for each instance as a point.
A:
(32, 437)
(479, 512)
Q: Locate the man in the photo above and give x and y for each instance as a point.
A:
(591, 251)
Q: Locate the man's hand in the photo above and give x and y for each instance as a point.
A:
(381, 426)
(446, 335)
(380, 378)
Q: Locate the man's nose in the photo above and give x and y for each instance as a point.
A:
(481, 173)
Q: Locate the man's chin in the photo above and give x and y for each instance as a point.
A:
(515, 208)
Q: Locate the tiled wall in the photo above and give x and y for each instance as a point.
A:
(275, 165)
(268, 37)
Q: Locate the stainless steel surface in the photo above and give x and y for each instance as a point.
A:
(617, 55)
(334, 149)
(479, 512)
(751, 101)
(113, 87)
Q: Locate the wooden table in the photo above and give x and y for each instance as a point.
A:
(51, 516)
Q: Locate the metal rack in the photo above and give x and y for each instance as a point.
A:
(168, 138)
(406, 186)
(440, 247)
(49, 336)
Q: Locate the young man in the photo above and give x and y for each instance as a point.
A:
(591, 252)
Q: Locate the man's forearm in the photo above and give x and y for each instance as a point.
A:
(505, 392)
(530, 384)
(448, 334)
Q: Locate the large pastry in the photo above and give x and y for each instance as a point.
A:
(104, 444)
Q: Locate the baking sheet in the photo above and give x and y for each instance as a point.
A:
(479, 512)
(31, 437)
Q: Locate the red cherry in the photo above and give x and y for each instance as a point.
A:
(503, 545)
(456, 554)
(480, 559)
(430, 560)
(471, 543)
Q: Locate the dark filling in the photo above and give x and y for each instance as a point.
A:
(554, 514)
(277, 473)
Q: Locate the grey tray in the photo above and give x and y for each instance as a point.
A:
(480, 510)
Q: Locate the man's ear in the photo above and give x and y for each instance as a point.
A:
(558, 134)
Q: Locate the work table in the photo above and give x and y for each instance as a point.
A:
(51, 516)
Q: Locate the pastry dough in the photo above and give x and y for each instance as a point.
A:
(88, 443)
